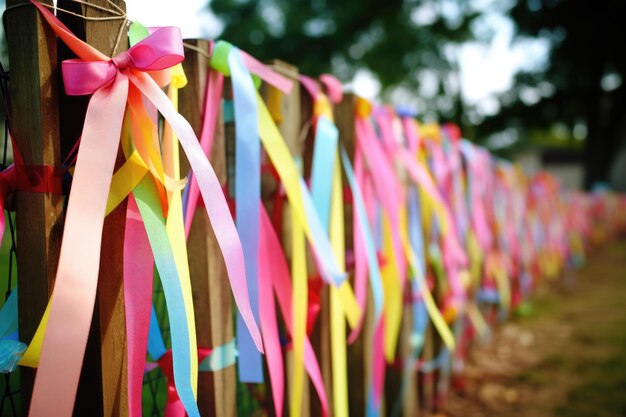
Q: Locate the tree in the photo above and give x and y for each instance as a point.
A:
(584, 76)
(395, 40)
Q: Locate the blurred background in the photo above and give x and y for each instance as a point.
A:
(537, 81)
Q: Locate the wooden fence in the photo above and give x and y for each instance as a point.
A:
(46, 123)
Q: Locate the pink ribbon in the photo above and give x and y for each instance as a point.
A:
(360, 258)
(138, 274)
(212, 100)
(161, 50)
(333, 87)
(274, 274)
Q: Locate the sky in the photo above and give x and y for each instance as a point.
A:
(486, 68)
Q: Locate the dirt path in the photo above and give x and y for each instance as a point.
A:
(567, 359)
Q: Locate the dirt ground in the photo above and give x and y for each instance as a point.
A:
(567, 358)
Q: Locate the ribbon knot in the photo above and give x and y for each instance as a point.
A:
(122, 60)
(161, 50)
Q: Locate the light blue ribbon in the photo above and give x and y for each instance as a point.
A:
(416, 233)
(320, 243)
(376, 281)
(150, 208)
(145, 194)
(220, 358)
(8, 315)
(11, 352)
(323, 166)
(11, 349)
(247, 200)
(317, 201)
(370, 409)
(156, 346)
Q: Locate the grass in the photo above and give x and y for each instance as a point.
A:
(596, 356)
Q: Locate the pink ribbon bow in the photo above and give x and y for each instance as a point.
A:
(162, 49)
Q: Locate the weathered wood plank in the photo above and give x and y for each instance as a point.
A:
(35, 128)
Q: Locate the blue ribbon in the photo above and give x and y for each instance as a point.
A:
(156, 346)
(323, 166)
(145, 194)
(376, 281)
(11, 349)
(8, 315)
(247, 200)
(416, 233)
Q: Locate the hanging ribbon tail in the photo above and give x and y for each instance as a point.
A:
(138, 274)
(282, 286)
(212, 100)
(148, 203)
(77, 275)
(298, 195)
(365, 238)
(247, 202)
(214, 200)
(269, 323)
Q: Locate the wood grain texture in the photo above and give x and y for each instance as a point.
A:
(410, 403)
(35, 128)
(211, 292)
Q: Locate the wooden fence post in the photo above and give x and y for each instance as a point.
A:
(211, 293)
(103, 387)
(35, 125)
(410, 403)
(35, 128)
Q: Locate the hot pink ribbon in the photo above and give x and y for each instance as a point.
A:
(274, 277)
(161, 50)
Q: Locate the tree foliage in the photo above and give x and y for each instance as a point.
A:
(394, 39)
(585, 77)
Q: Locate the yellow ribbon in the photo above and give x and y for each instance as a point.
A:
(337, 299)
(299, 306)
